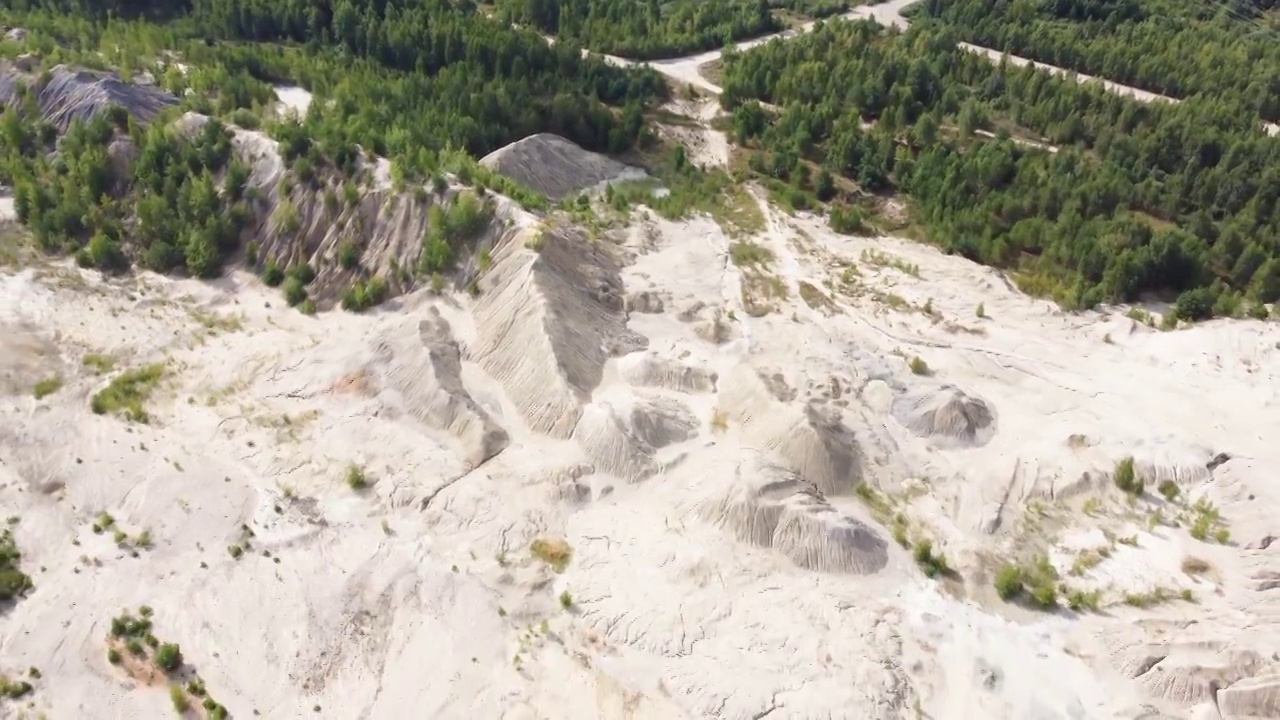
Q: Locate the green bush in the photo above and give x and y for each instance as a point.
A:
(127, 392)
(932, 565)
(348, 255)
(169, 657)
(294, 292)
(46, 387)
(13, 582)
(919, 367)
(356, 479)
(1169, 489)
(1126, 478)
(272, 275)
(1009, 582)
(365, 294)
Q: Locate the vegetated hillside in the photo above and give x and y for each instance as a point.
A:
(645, 29)
(430, 88)
(191, 194)
(1175, 198)
(1174, 48)
(408, 81)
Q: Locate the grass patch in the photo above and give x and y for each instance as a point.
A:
(1037, 582)
(46, 387)
(1195, 566)
(127, 392)
(719, 420)
(552, 551)
(880, 259)
(745, 253)
(815, 298)
(99, 364)
(1156, 596)
(1206, 523)
(1085, 562)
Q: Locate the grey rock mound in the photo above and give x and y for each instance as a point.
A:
(71, 95)
(810, 437)
(649, 369)
(769, 506)
(623, 435)
(554, 166)
(422, 376)
(947, 413)
(546, 323)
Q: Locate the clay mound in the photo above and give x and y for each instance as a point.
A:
(422, 376)
(947, 413)
(546, 322)
(555, 167)
(622, 436)
(769, 506)
(650, 369)
(1255, 697)
(811, 438)
(82, 94)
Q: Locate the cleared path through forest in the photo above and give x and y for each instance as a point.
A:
(685, 69)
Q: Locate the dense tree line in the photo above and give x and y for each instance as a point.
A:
(1173, 48)
(645, 29)
(110, 178)
(426, 83)
(1140, 198)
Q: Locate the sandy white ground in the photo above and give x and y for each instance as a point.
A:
(420, 597)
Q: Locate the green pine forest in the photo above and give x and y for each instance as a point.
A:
(1176, 200)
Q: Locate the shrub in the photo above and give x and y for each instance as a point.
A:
(847, 220)
(981, 310)
(235, 551)
(1041, 582)
(303, 272)
(135, 647)
(1080, 600)
(98, 363)
(1169, 489)
(46, 387)
(554, 552)
(566, 600)
(1126, 478)
(307, 307)
(1009, 582)
(179, 698)
(127, 392)
(932, 565)
(1194, 566)
(355, 477)
(919, 366)
(272, 275)
(13, 582)
(169, 657)
(365, 294)
(294, 292)
(348, 256)
(113, 656)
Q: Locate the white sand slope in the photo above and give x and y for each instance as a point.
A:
(701, 467)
